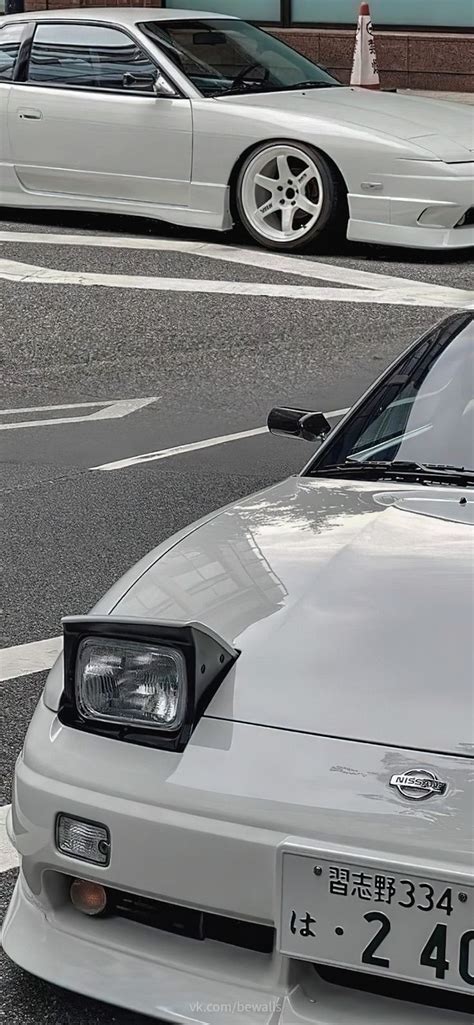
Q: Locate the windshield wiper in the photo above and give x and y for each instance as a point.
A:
(377, 469)
(248, 87)
(311, 85)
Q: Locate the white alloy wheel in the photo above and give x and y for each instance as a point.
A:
(285, 193)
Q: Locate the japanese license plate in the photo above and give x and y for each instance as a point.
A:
(366, 917)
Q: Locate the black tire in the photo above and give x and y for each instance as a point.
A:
(331, 225)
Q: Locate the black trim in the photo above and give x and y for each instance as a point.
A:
(335, 736)
(190, 922)
(93, 89)
(208, 658)
(21, 66)
(398, 989)
(285, 13)
(87, 822)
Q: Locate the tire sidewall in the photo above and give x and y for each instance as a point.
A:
(329, 198)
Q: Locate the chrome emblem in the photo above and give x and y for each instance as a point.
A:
(418, 784)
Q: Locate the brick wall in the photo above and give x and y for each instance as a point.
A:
(416, 60)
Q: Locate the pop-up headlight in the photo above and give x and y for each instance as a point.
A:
(130, 682)
(140, 681)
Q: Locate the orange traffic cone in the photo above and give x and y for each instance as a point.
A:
(364, 67)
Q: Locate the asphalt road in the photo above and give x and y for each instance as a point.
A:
(212, 364)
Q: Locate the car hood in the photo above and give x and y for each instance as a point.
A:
(352, 606)
(442, 128)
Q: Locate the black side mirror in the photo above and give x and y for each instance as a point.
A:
(139, 82)
(298, 423)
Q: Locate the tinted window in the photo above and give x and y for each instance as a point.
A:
(221, 56)
(10, 37)
(422, 412)
(87, 56)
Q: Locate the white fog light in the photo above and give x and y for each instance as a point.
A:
(130, 682)
(87, 841)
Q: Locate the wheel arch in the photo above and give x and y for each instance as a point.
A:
(271, 141)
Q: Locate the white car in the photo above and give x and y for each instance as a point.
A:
(246, 794)
(207, 121)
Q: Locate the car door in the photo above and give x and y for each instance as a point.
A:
(87, 122)
(10, 40)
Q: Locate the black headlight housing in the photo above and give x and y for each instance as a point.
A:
(140, 681)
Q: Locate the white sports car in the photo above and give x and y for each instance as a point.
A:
(206, 121)
(246, 794)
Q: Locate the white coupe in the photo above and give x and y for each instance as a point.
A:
(207, 121)
(246, 794)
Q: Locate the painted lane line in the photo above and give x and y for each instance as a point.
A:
(178, 450)
(8, 855)
(25, 659)
(227, 254)
(110, 411)
(421, 295)
(193, 446)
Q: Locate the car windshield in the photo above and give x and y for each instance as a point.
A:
(221, 55)
(422, 412)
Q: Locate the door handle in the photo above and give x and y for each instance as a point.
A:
(28, 114)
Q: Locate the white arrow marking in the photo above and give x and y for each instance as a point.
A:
(111, 410)
(412, 293)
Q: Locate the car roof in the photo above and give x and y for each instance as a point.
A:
(120, 16)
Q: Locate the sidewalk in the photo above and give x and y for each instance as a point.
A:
(433, 94)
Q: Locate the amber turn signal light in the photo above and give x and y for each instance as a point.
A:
(90, 898)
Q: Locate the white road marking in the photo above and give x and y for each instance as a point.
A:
(411, 294)
(110, 410)
(8, 855)
(166, 453)
(67, 405)
(228, 254)
(193, 446)
(25, 659)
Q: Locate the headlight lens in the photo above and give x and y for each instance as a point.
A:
(130, 682)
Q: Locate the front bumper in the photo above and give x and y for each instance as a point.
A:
(201, 829)
(182, 980)
(418, 208)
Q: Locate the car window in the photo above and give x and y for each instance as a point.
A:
(10, 38)
(220, 55)
(423, 411)
(88, 56)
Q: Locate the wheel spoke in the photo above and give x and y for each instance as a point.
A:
(287, 215)
(284, 173)
(264, 182)
(266, 209)
(306, 176)
(305, 204)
